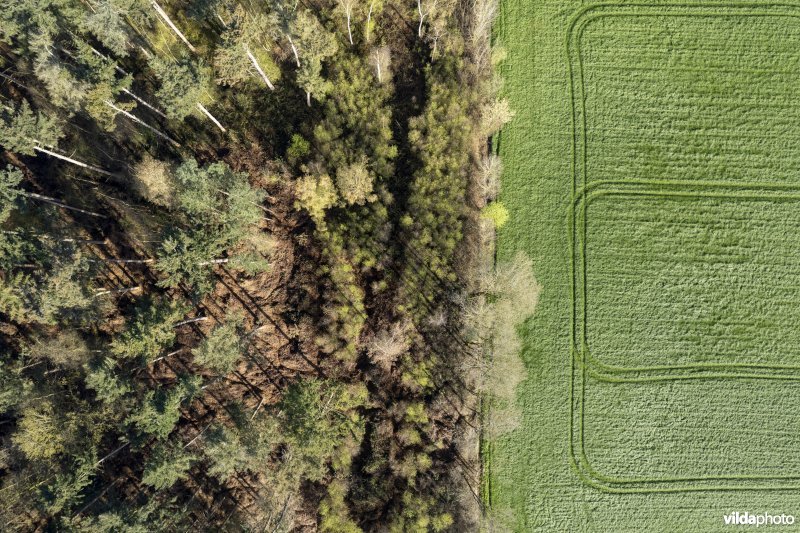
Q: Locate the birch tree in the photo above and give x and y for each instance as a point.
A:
(374, 8)
(317, 45)
(283, 22)
(348, 6)
(380, 59)
(243, 54)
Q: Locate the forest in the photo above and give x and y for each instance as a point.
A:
(247, 265)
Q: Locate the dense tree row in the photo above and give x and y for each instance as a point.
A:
(233, 241)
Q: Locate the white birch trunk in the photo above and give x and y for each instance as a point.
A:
(150, 107)
(103, 292)
(214, 262)
(70, 160)
(207, 113)
(369, 19)
(53, 201)
(259, 69)
(190, 321)
(421, 18)
(294, 50)
(142, 123)
(126, 261)
(349, 30)
(172, 26)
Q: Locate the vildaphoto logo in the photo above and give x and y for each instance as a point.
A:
(763, 519)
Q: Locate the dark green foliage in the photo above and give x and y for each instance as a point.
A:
(222, 348)
(317, 419)
(315, 46)
(185, 257)
(11, 385)
(23, 129)
(108, 384)
(184, 83)
(68, 275)
(223, 211)
(149, 332)
(160, 410)
(166, 466)
(107, 23)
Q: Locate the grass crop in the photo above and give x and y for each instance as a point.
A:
(652, 173)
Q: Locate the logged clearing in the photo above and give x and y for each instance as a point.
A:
(653, 176)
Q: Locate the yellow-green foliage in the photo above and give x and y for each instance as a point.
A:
(496, 213)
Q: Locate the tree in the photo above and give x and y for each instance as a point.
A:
(317, 44)
(227, 452)
(333, 511)
(316, 419)
(166, 466)
(316, 194)
(436, 14)
(387, 345)
(496, 213)
(222, 210)
(374, 9)
(242, 52)
(66, 348)
(107, 23)
(495, 115)
(355, 183)
(40, 433)
(380, 58)
(184, 83)
(108, 384)
(488, 178)
(69, 300)
(186, 256)
(149, 332)
(222, 348)
(160, 410)
(282, 23)
(348, 6)
(153, 181)
(23, 128)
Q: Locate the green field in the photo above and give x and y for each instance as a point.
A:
(652, 173)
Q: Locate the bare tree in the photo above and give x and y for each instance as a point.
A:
(380, 58)
(488, 177)
(480, 32)
(495, 115)
(389, 344)
(348, 6)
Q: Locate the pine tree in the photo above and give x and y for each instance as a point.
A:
(23, 129)
(166, 466)
(150, 332)
(222, 348)
(160, 410)
(184, 83)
